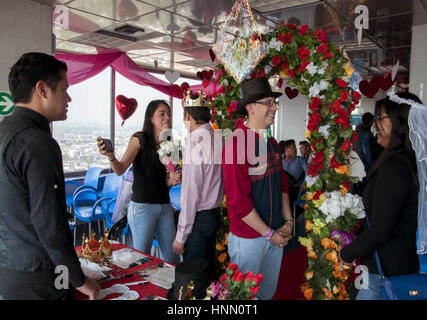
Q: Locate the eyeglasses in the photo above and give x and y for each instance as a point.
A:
(380, 117)
(268, 103)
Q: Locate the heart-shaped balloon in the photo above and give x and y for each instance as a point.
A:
(386, 82)
(185, 86)
(172, 76)
(125, 107)
(177, 91)
(206, 83)
(370, 89)
(212, 54)
(291, 93)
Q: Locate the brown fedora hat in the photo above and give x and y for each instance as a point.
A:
(253, 90)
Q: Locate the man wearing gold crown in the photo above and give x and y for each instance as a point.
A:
(35, 238)
(202, 184)
(256, 189)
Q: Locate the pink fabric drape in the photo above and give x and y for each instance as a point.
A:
(85, 66)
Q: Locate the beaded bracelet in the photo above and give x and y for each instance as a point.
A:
(268, 235)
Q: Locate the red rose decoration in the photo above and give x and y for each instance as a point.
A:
(237, 276)
(303, 53)
(345, 145)
(341, 83)
(260, 73)
(285, 37)
(342, 118)
(292, 73)
(249, 276)
(276, 60)
(335, 163)
(280, 83)
(318, 158)
(258, 278)
(317, 195)
(304, 66)
(344, 95)
(321, 35)
(303, 30)
(314, 121)
(233, 106)
(356, 96)
(323, 48)
(346, 185)
(232, 266)
(292, 26)
(315, 104)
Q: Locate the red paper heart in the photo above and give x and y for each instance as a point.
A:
(386, 82)
(212, 54)
(177, 91)
(210, 75)
(199, 75)
(370, 89)
(291, 93)
(125, 107)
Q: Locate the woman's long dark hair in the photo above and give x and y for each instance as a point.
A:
(399, 139)
(149, 147)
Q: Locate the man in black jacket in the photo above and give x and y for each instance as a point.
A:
(37, 256)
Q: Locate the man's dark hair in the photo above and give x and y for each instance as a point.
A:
(201, 115)
(31, 68)
(304, 143)
(367, 118)
(289, 143)
(282, 146)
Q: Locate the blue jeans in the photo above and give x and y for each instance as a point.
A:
(259, 256)
(374, 290)
(147, 220)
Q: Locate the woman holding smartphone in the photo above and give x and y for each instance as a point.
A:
(150, 212)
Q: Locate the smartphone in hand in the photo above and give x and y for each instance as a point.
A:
(108, 145)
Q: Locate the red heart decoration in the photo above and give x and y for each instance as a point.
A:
(177, 91)
(212, 54)
(210, 75)
(386, 82)
(204, 75)
(185, 86)
(125, 107)
(370, 89)
(199, 75)
(206, 83)
(291, 93)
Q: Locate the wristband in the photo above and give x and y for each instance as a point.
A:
(289, 219)
(268, 235)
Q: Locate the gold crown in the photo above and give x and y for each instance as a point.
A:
(200, 101)
(95, 250)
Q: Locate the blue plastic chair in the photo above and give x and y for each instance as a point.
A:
(90, 205)
(175, 195)
(91, 181)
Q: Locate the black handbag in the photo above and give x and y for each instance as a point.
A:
(404, 287)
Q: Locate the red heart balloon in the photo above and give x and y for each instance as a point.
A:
(185, 86)
(210, 75)
(212, 54)
(291, 93)
(199, 75)
(386, 82)
(125, 107)
(206, 83)
(370, 89)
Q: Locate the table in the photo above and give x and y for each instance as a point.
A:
(143, 290)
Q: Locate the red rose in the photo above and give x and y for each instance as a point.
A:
(342, 118)
(346, 185)
(321, 35)
(232, 266)
(352, 107)
(341, 83)
(224, 278)
(317, 195)
(233, 106)
(313, 145)
(249, 276)
(315, 104)
(220, 90)
(280, 83)
(239, 123)
(312, 170)
(344, 95)
(356, 96)
(335, 163)
(254, 290)
(303, 30)
(314, 121)
(303, 52)
(345, 145)
(318, 158)
(258, 278)
(237, 276)
(292, 26)
(285, 37)
(323, 48)
(260, 73)
(328, 55)
(304, 66)
(292, 73)
(229, 87)
(276, 60)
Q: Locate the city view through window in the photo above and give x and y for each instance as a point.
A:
(89, 118)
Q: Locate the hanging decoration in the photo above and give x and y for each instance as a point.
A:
(235, 48)
(125, 107)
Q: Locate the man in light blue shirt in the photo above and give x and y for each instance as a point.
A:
(295, 165)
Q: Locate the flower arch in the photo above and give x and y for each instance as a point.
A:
(320, 72)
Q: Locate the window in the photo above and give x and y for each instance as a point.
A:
(88, 118)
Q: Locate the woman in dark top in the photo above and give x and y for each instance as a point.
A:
(150, 212)
(391, 202)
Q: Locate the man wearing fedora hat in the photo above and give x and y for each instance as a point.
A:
(202, 189)
(257, 193)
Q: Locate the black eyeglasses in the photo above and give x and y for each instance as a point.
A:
(380, 117)
(268, 103)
